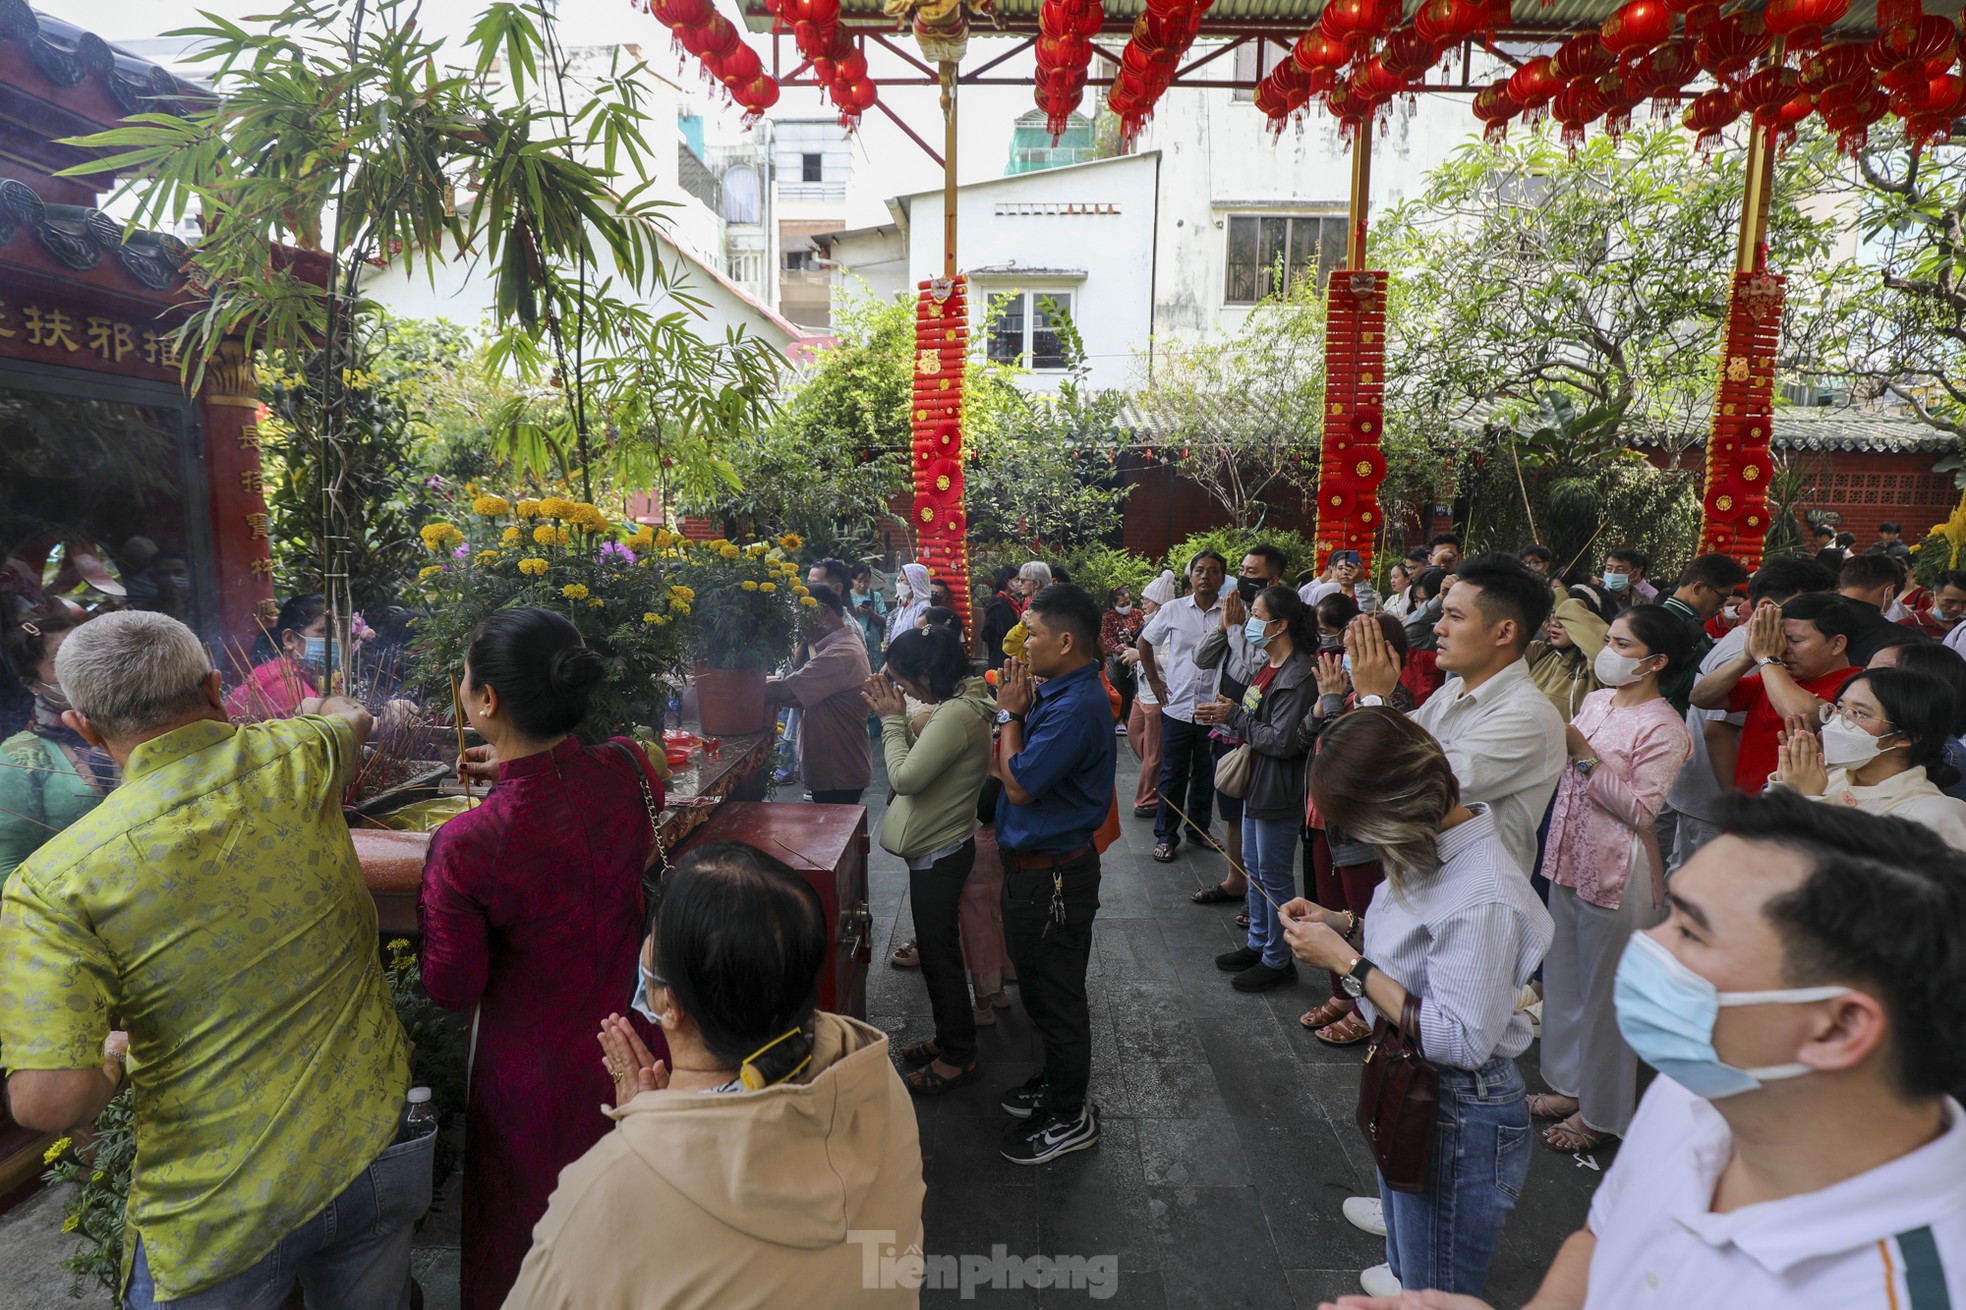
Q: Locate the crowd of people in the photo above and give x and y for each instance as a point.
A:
(1711, 823)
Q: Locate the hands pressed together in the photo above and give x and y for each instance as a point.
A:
(1375, 666)
(629, 1061)
(883, 696)
(1800, 765)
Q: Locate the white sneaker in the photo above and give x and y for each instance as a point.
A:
(1119, 730)
(1367, 1214)
(1379, 1281)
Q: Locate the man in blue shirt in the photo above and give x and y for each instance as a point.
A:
(1055, 758)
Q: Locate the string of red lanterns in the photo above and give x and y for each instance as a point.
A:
(717, 44)
(1064, 53)
(837, 64)
(1161, 36)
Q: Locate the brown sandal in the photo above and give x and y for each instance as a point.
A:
(1577, 1139)
(1542, 1105)
(1327, 1014)
(925, 1081)
(1348, 1031)
(921, 1052)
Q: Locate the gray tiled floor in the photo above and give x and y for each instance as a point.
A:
(1227, 1145)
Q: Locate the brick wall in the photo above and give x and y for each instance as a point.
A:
(1163, 508)
(1862, 488)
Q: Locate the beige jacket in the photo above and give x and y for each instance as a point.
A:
(781, 1197)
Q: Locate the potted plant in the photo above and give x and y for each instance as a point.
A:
(621, 588)
(750, 599)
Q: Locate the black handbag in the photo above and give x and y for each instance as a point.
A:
(1399, 1100)
(656, 865)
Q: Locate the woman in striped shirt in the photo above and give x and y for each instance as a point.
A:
(1456, 926)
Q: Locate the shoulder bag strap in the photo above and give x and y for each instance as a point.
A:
(1409, 1024)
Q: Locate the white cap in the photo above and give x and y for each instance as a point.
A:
(1161, 589)
(418, 1095)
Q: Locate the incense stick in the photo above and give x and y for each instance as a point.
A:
(1202, 833)
(457, 720)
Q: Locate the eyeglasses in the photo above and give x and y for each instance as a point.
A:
(1857, 717)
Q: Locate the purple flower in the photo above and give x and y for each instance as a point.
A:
(462, 552)
(615, 550)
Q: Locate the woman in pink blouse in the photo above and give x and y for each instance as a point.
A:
(1627, 745)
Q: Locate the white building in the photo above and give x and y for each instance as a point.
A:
(811, 162)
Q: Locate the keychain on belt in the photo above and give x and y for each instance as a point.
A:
(1057, 900)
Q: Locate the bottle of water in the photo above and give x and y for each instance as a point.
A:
(420, 1119)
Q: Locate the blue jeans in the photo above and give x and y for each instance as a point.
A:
(353, 1255)
(1445, 1236)
(1269, 854)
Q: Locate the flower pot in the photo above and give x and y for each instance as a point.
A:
(730, 702)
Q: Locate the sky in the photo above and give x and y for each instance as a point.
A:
(886, 163)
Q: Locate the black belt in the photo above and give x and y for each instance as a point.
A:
(1016, 861)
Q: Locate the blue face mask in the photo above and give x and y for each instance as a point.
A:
(1346, 660)
(644, 980)
(316, 654)
(1667, 1012)
(1617, 581)
(1256, 633)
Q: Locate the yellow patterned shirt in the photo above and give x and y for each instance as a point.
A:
(214, 906)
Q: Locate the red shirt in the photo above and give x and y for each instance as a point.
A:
(1760, 747)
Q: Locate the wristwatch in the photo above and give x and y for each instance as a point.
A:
(1766, 660)
(1354, 978)
(1585, 766)
(1006, 716)
(1372, 700)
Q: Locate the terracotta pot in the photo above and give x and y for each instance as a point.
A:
(730, 702)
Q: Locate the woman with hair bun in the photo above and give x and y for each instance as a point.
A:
(532, 915)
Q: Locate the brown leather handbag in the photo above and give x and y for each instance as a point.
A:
(1398, 1100)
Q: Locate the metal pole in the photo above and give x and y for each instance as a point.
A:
(1361, 192)
(1752, 254)
(948, 72)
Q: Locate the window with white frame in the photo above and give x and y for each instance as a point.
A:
(1268, 253)
(1024, 328)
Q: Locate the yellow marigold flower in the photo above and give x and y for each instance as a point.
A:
(509, 536)
(809, 602)
(490, 506)
(594, 604)
(574, 591)
(534, 566)
(487, 557)
(680, 608)
(642, 538)
(438, 535)
(716, 543)
(556, 507)
(730, 552)
(682, 593)
(55, 1152)
(427, 570)
(750, 585)
(588, 517)
(545, 534)
(70, 1224)
(651, 617)
(527, 509)
(791, 541)
(754, 549)
(799, 590)
(665, 538)
(471, 487)
(768, 587)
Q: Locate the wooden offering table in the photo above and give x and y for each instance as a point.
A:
(392, 861)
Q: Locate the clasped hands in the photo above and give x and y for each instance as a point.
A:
(884, 696)
(629, 1061)
(1800, 765)
(1312, 932)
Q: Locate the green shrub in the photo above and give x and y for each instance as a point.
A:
(1232, 544)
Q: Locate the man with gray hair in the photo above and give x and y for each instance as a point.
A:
(213, 905)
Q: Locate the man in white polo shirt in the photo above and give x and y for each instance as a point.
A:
(1167, 660)
(1800, 1150)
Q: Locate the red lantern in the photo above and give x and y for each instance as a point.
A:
(1449, 22)
(1768, 89)
(1582, 56)
(1836, 65)
(1409, 54)
(1849, 112)
(1315, 50)
(1800, 23)
(740, 66)
(1897, 13)
(1494, 106)
(1619, 95)
(1928, 113)
(1663, 73)
(1930, 41)
(1376, 83)
(1730, 45)
(1707, 115)
(1532, 86)
(1576, 106)
(1637, 28)
(1358, 23)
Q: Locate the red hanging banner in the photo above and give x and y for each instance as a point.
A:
(1352, 466)
(936, 517)
(1735, 505)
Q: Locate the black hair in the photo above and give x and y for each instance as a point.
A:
(1831, 560)
(1284, 603)
(1427, 581)
(930, 657)
(1001, 578)
(1661, 632)
(1949, 578)
(1934, 658)
(1059, 573)
(1630, 555)
(1272, 555)
(1395, 634)
(943, 583)
(297, 615)
(1822, 530)
(859, 571)
(1336, 610)
(534, 659)
(1846, 539)
(1113, 593)
(1889, 527)
(1830, 614)
(1418, 554)
(740, 940)
(1882, 905)
(1537, 552)
(1508, 591)
(1201, 555)
(941, 616)
(1444, 539)
(1069, 609)
(836, 570)
(1722, 573)
(1896, 635)
(1594, 599)
(1786, 578)
(24, 636)
(1920, 706)
(1869, 571)
(832, 600)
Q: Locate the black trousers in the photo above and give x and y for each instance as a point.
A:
(1187, 777)
(841, 796)
(936, 894)
(1051, 960)
(1126, 682)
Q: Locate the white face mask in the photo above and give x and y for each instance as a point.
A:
(1615, 670)
(1846, 746)
(1122, 609)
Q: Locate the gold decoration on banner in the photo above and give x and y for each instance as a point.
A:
(230, 379)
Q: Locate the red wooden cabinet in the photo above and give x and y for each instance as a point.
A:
(827, 846)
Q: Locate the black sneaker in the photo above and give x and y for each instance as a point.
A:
(1260, 977)
(1023, 1099)
(1047, 1136)
(1239, 959)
